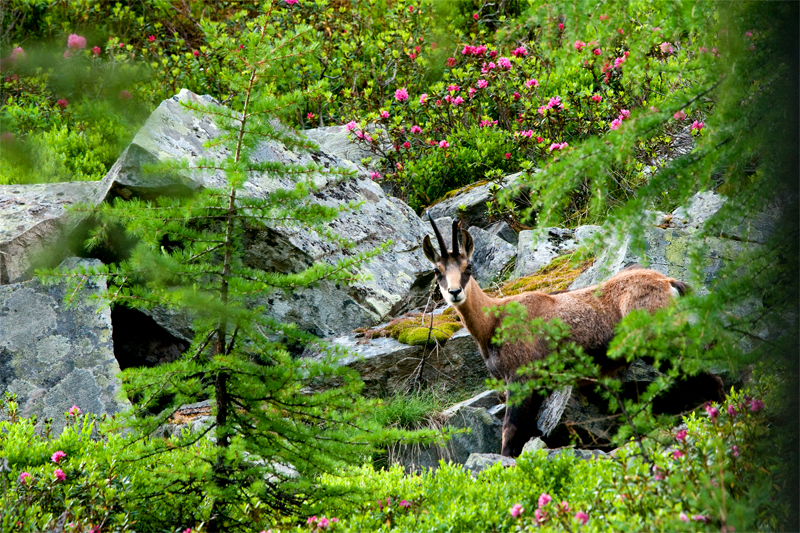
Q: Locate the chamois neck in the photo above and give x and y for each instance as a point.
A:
(475, 320)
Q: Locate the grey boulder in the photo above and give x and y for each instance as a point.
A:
(35, 225)
(537, 249)
(478, 462)
(53, 356)
(391, 282)
(469, 203)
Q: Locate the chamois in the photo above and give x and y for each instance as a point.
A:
(591, 314)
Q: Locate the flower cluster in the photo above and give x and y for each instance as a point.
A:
(322, 523)
(546, 512)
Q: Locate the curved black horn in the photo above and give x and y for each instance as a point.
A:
(442, 245)
(455, 237)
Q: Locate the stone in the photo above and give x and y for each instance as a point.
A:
(580, 453)
(473, 199)
(552, 410)
(35, 225)
(387, 366)
(54, 356)
(392, 282)
(478, 462)
(334, 140)
(533, 446)
(486, 399)
(484, 435)
(537, 248)
(491, 253)
(504, 231)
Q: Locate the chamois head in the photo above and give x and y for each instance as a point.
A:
(452, 269)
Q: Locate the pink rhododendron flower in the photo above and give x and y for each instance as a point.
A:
(596, 98)
(457, 100)
(735, 450)
(444, 144)
(16, 53)
(540, 516)
(410, 9)
(527, 134)
(516, 510)
(476, 16)
(561, 26)
(74, 411)
(151, 38)
(697, 125)
(453, 88)
(712, 411)
(597, 51)
(468, 50)
(96, 50)
(504, 62)
(554, 103)
(401, 95)
(508, 156)
(196, 53)
(416, 130)
(756, 405)
(620, 31)
(310, 115)
(313, 519)
(360, 134)
(438, 102)
(323, 523)
(417, 48)
(542, 109)
(677, 454)
(24, 477)
(62, 103)
(554, 146)
(666, 48)
(482, 84)
(539, 139)
(384, 114)
(404, 504)
(60, 475)
(519, 52)
(680, 115)
(451, 61)
(625, 113)
(703, 50)
(291, 2)
(532, 82)
(351, 125)
(683, 517)
(579, 45)
(56, 457)
(563, 506)
(423, 98)
(681, 435)
(76, 42)
(699, 518)
(334, 520)
(581, 517)
(406, 145)
(447, 99)
(472, 91)
(658, 474)
(732, 411)
(544, 498)
(412, 56)
(653, 109)
(493, 54)
(516, 95)
(603, 17)
(618, 62)
(367, 137)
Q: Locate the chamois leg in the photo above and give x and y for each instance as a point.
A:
(519, 424)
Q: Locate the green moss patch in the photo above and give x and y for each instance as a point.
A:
(414, 328)
(555, 276)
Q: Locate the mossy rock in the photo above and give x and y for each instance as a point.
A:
(555, 276)
(413, 328)
(417, 336)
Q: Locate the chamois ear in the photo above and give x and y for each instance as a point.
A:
(466, 241)
(429, 250)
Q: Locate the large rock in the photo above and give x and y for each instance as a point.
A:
(670, 239)
(478, 462)
(472, 199)
(34, 222)
(53, 356)
(394, 281)
(483, 436)
(387, 365)
(537, 248)
(491, 252)
(334, 140)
